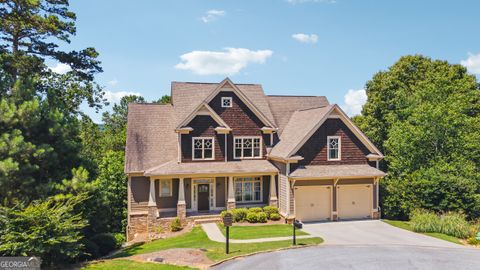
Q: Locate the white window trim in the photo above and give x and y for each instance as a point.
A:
(203, 150)
(261, 188)
(160, 194)
(247, 137)
(339, 148)
(227, 98)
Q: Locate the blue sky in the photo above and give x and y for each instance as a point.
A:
(296, 47)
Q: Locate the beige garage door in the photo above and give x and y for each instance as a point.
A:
(313, 203)
(354, 201)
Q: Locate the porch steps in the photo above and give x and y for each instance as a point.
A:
(206, 219)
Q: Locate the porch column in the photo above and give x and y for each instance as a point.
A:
(152, 209)
(273, 191)
(231, 194)
(181, 204)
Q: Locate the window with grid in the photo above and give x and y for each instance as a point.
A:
(333, 147)
(226, 102)
(203, 148)
(248, 189)
(248, 147)
(165, 188)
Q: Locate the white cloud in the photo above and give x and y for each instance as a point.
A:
(305, 38)
(354, 100)
(227, 62)
(113, 82)
(114, 97)
(212, 15)
(61, 68)
(472, 63)
(293, 2)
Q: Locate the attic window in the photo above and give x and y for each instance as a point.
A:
(226, 102)
(333, 147)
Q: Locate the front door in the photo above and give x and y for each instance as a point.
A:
(203, 197)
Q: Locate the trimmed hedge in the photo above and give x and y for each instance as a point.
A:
(262, 217)
(274, 216)
(254, 214)
(255, 209)
(240, 214)
(252, 217)
(269, 210)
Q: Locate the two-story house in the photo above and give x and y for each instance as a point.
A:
(224, 145)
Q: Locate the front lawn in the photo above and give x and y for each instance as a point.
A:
(197, 238)
(263, 231)
(132, 265)
(406, 226)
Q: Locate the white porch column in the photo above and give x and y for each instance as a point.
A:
(273, 191)
(181, 204)
(151, 198)
(231, 194)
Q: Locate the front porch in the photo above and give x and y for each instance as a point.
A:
(194, 196)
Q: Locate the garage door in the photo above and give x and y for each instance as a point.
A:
(313, 203)
(354, 201)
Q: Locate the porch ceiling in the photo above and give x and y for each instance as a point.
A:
(193, 168)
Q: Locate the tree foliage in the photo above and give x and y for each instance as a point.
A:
(424, 116)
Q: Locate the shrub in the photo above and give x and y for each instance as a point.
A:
(222, 214)
(262, 217)
(454, 224)
(49, 229)
(269, 210)
(425, 221)
(473, 241)
(252, 217)
(176, 225)
(119, 239)
(255, 210)
(105, 241)
(274, 216)
(239, 214)
(91, 249)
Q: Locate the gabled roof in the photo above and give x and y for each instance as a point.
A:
(298, 127)
(303, 124)
(189, 97)
(284, 106)
(151, 139)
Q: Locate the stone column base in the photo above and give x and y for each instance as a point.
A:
(334, 217)
(182, 211)
(376, 215)
(273, 202)
(231, 205)
(151, 220)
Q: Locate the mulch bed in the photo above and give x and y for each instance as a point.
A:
(191, 257)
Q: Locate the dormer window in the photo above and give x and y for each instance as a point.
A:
(203, 148)
(226, 102)
(333, 148)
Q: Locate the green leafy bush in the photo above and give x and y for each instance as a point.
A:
(473, 241)
(240, 214)
(92, 251)
(454, 224)
(106, 242)
(48, 229)
(222, 214)
(255, 210)
(274, 216)
(425, 221)
(262, 217)
(119, 239)
(270, 210)
(252, 217)
(176, 225)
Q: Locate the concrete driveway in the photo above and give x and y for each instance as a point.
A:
(372, 233)
(365, 245)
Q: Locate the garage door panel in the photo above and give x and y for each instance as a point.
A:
(354, 201)
(313, 203)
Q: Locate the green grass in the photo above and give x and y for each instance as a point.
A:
(406, 226)
(197, 238)
(132, 265)
(264, 231)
